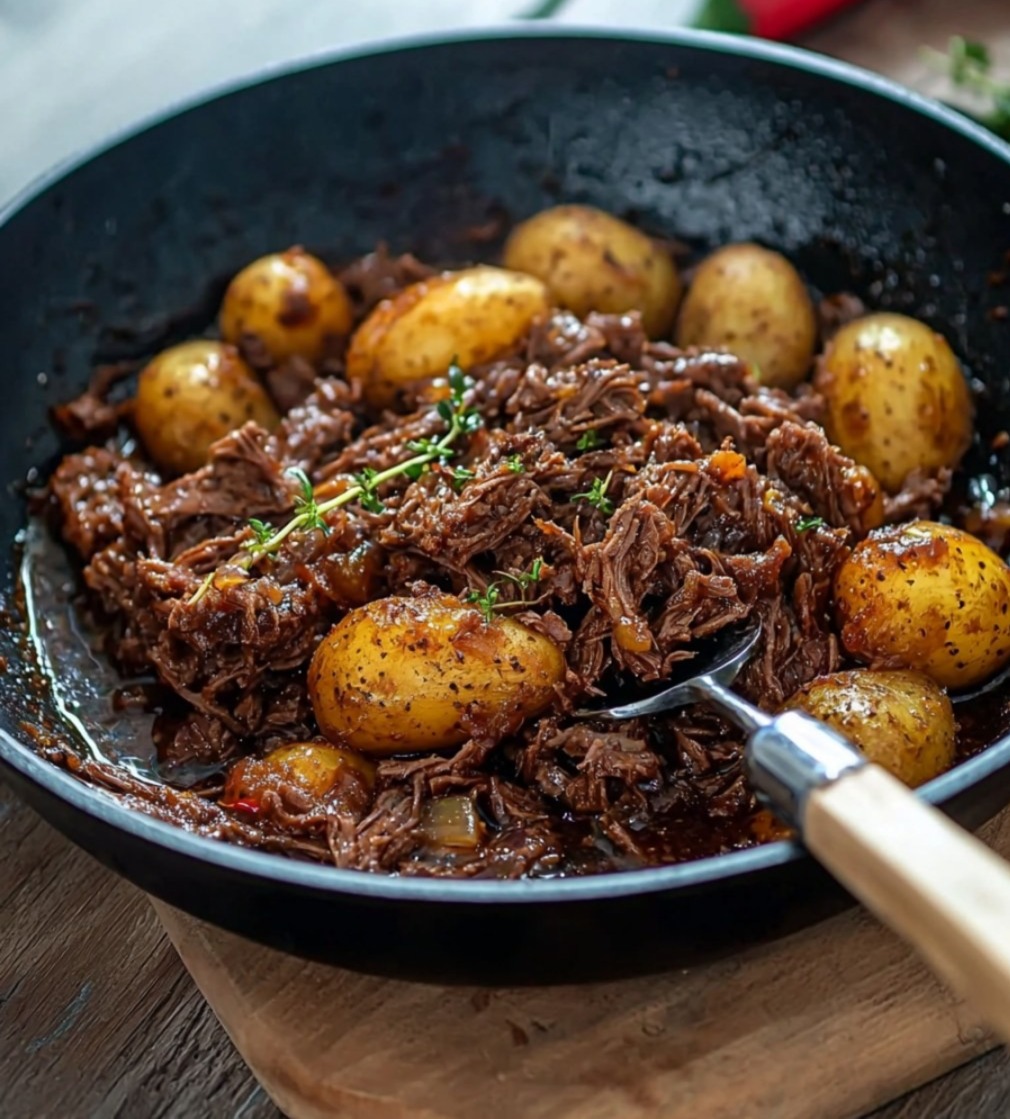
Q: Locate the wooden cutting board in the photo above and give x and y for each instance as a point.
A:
(825, 1024)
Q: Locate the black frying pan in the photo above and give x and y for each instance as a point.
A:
(867, 187)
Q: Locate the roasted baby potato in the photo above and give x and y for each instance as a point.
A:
(190, 396)
(409, 675)
(752, 302)
(928, 597)
(312, 768)
(897, 400)
(291, 302)
(472, 316)
(903, 721)
(592, 261)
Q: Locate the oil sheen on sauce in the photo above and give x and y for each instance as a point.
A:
(111, 719)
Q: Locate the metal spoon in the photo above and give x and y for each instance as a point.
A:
(936, 885)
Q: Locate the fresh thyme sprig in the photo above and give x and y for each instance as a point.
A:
(488, 601)
(261, 530)
(589, 440)
(306, 506)
(525, 579)
(310, 514)
(461, 475)
(596, 495)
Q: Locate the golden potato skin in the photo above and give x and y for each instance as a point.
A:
(928, 597)
(752, 302)
(592, 261)
(896, 398)
(408, 675)
(191, 395)
(473, 316)
(317, 768)
(903, 721)
(291, 302)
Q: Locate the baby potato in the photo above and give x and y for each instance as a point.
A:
(752, 302)
(592, 261)
(408, 675)
(897, 400)
(290, 301)
(315, 768)
(903, 721)
(191, 395)
(473, 316)
(928, 597)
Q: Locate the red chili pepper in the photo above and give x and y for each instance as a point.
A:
(245, 804)
(771, 19)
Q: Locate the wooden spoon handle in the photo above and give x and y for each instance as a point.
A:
(936, 885)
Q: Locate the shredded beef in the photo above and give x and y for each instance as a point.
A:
(379, 276)
(716, 500)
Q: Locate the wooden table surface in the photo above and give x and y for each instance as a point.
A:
(98, 1018)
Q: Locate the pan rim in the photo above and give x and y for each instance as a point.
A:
(272, 867)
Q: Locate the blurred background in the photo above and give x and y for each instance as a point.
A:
(74, 71)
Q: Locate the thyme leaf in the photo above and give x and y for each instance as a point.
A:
(596, 495)
(461, 475)
(261, 532)
(310, 514)
(486, 602)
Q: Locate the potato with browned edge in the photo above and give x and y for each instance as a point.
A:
(901, 720)
(473, 316)
(752, 302)
(290, 302)
(896, 397)
(592, 261)
(409, 675)
(305, 771)
(191, 395)
(928, 597)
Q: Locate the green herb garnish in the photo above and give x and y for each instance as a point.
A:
(525, 579)
(461, 475)
(589, 439)
(805, 524)
(306, 508)
(487, 602)
(596, 495)
(310, 514)
(515, 464)
(261, 531)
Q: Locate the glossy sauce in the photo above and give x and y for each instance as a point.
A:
(120, 722)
